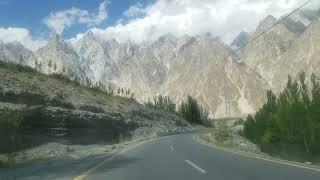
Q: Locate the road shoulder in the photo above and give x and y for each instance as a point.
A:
(255, 156)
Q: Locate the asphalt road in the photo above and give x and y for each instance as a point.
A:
(182, 158)
(175, 157)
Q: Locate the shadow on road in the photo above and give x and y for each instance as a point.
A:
(65, 168)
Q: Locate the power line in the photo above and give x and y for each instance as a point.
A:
(278, 22)
(227, 102)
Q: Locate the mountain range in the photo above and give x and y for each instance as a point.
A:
(227, 84)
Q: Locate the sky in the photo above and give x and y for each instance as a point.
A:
(31, 22)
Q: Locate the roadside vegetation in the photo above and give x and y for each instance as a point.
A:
(193, 112)
(163, 103)
(189, 109)
(289, 125)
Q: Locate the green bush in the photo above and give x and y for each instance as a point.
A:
(65, 79)
(16, 67)
(12, 126)
(22, 98)
(61, 103)
(93, 109)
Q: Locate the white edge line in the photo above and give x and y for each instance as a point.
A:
(195, 166)
(256, 157)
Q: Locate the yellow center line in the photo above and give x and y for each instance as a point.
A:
(89, 171)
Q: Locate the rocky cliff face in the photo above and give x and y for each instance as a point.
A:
(263, 54)
(240, 40)
(176, 67)
(58, 57)
(303, 56)
(287, 49)
(204, 69)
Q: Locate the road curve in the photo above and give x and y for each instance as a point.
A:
(177, 157)
(181, 157)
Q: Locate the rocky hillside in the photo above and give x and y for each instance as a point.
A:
(53, 107)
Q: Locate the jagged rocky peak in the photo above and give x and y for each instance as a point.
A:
(89, 36)
(113, 42)
(298, 21)
(266, 23)
(56, 39)
(58, 56)
(295, 26)
(311, 14)
(167, 38)
(241, 39)
(57, 43)
(208, 42)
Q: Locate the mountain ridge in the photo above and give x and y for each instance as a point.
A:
(200, 66)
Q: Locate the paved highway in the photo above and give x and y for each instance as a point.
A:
(170, 158)
(181, 157)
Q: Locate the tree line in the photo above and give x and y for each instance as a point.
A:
(289, 123)
(163, 103)
(189, 109)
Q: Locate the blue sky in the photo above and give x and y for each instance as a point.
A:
(29, 14)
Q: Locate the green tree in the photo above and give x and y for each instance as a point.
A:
(193, 112)
(290, 120)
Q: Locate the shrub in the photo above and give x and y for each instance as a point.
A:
(61, 103)
(16, 67)
(163, 103)
(12, 126)
(93, 109)
(22, 98)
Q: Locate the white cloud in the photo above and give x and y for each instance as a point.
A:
(135, 11)
(58, 21)
(21, 35)
(224, 18)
